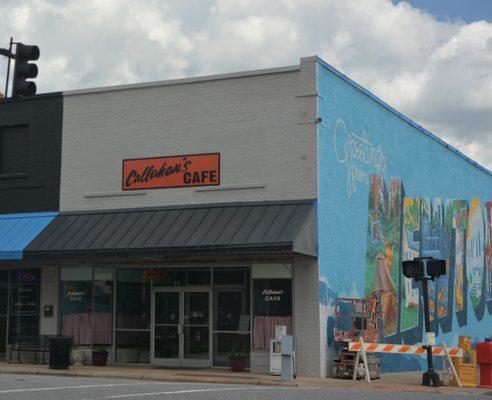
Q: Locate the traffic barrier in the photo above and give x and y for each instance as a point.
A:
(403, 349)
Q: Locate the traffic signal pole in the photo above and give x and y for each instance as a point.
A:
(7, 53)
(430, 377)
(8, 68)
(425, 269)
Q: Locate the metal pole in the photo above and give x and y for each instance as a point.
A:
(8, 68)
(430, 377)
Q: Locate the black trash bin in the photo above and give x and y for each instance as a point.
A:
(60, 347)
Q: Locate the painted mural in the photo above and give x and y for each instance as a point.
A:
(401, 228)
(383, 247)
(389, 185)
(410, 250)
(475, 235)
(457, 218)
(488, 250)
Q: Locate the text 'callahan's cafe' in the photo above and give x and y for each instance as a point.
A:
(171, 172)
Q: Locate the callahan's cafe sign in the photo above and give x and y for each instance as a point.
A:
(171, 172)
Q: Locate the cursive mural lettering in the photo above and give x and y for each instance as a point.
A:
(357, 153)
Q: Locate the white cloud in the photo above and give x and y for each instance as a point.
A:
(438, 73)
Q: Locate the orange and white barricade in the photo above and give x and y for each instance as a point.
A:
(403, 349)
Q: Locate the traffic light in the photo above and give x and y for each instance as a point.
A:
(24, 70)
(413, 269)
(424, 267)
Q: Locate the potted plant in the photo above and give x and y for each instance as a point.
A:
(237, 361)
(99, 357)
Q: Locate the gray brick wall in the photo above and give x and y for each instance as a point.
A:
(262, 123)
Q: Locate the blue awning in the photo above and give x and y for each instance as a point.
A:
(18, 230)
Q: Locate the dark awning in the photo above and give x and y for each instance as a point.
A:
(271, 227)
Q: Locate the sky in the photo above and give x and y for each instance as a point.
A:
(430, 59)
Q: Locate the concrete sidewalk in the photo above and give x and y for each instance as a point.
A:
(402, 381)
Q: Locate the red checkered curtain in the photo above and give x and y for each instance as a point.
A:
(264, 330)
(79, 327)
(102, 331)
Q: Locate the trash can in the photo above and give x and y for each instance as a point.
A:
(484, 358)
(60, 347)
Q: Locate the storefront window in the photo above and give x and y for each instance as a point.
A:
(133, 347)
(167, 277)
(272, 307)
(24, 302)
(132, 299)
(231, 313)
(86, 305)
(133, 315)
(102, 313)
(4, 301)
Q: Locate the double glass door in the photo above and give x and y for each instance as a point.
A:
(181, 328)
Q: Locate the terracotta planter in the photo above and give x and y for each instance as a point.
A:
(237, 364)
(99, 359)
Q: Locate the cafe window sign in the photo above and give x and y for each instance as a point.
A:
(273, 297)
(171, 172)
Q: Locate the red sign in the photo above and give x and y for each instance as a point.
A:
(171, 172)
(154, 273)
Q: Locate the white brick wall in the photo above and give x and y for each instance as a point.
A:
(263, 124)
(309, 359)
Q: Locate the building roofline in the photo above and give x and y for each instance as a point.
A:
(183, 81)
(399, 114)
(40, 96)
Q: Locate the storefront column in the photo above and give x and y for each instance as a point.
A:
(49, 297)
(310, 351)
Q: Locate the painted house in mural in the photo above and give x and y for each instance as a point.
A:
(173, 222)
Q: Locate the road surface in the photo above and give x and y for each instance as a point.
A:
(24, 387)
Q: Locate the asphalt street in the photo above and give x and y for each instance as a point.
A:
(24, 387)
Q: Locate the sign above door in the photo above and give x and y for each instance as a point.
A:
(171, 172)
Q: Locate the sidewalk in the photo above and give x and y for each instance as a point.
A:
(401, 381)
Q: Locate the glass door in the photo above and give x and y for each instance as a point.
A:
(181, 328)
(196, 331)
(166, 328)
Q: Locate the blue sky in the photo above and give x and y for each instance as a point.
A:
(466, 10)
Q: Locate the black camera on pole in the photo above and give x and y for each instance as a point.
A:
(425, 269)
(25, 70)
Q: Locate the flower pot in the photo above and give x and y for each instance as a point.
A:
(237, 364)
(99, 358)
(77, 357)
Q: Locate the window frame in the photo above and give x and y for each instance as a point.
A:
(60, 300)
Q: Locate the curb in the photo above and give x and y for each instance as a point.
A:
(144, 377)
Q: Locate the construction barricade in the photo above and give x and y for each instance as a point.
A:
(361, 349)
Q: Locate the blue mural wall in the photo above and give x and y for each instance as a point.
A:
(390, 191)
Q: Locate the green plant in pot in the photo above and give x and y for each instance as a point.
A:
(99, 356)
(237, 361)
